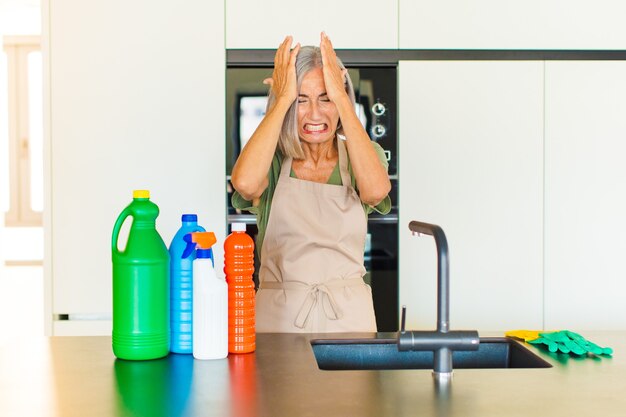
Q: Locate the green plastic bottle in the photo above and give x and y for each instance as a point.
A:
(140, 284)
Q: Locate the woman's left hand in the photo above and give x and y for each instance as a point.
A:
(334, 75)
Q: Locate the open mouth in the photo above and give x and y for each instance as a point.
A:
(315, 128)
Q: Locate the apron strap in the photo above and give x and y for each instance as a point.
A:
(285, 169)
(343, 163)
(315, 292)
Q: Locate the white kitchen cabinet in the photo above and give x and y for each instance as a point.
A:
(507, 24)
(585, 195)
(353, 24)
(471, 161)
(134, 101)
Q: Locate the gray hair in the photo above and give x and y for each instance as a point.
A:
(309, 58)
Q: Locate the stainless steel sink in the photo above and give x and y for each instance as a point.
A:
(379, 354)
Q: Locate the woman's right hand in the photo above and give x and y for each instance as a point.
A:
(249, 175)
(283, 81)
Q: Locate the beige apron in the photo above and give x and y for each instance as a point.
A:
(311, 274)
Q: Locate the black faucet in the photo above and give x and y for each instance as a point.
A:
(441, 341)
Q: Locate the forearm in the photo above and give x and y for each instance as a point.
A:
(371, 176)
(249, 176)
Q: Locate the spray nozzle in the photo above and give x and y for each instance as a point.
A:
(203, 240)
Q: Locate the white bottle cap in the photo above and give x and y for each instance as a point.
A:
(238, 227)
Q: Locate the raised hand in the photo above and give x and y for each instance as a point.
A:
(283, 81)
(334, 75)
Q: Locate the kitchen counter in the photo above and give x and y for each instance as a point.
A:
(79, 376)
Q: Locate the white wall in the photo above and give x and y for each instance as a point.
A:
(471, 161)
(135, 102)
(585, 194)
(510, 24)
(423, 24)
(521, 163)
(358, 24)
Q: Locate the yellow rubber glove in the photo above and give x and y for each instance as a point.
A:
(525, 335)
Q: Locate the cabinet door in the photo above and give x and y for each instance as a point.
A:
(585, 195)
(136, 101)
(502, 24)
(471, 161)
(356, 24)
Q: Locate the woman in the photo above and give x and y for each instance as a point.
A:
(295, 167)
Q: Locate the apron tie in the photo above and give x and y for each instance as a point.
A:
(315, 291)
(312, 298)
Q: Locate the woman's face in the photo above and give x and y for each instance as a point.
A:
(317, 115)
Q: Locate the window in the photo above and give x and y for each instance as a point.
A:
(21, 131)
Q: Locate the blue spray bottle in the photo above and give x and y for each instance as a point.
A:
(181, 288)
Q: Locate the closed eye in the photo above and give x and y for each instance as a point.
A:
(324, 98)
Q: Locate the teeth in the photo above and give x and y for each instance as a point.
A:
(315, 128)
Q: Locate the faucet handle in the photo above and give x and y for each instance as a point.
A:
(403, 320)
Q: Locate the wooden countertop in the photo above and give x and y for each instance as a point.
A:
(79, 376)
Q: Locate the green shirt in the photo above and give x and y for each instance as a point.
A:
(262, 211)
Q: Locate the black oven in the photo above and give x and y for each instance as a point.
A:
(376, 94)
